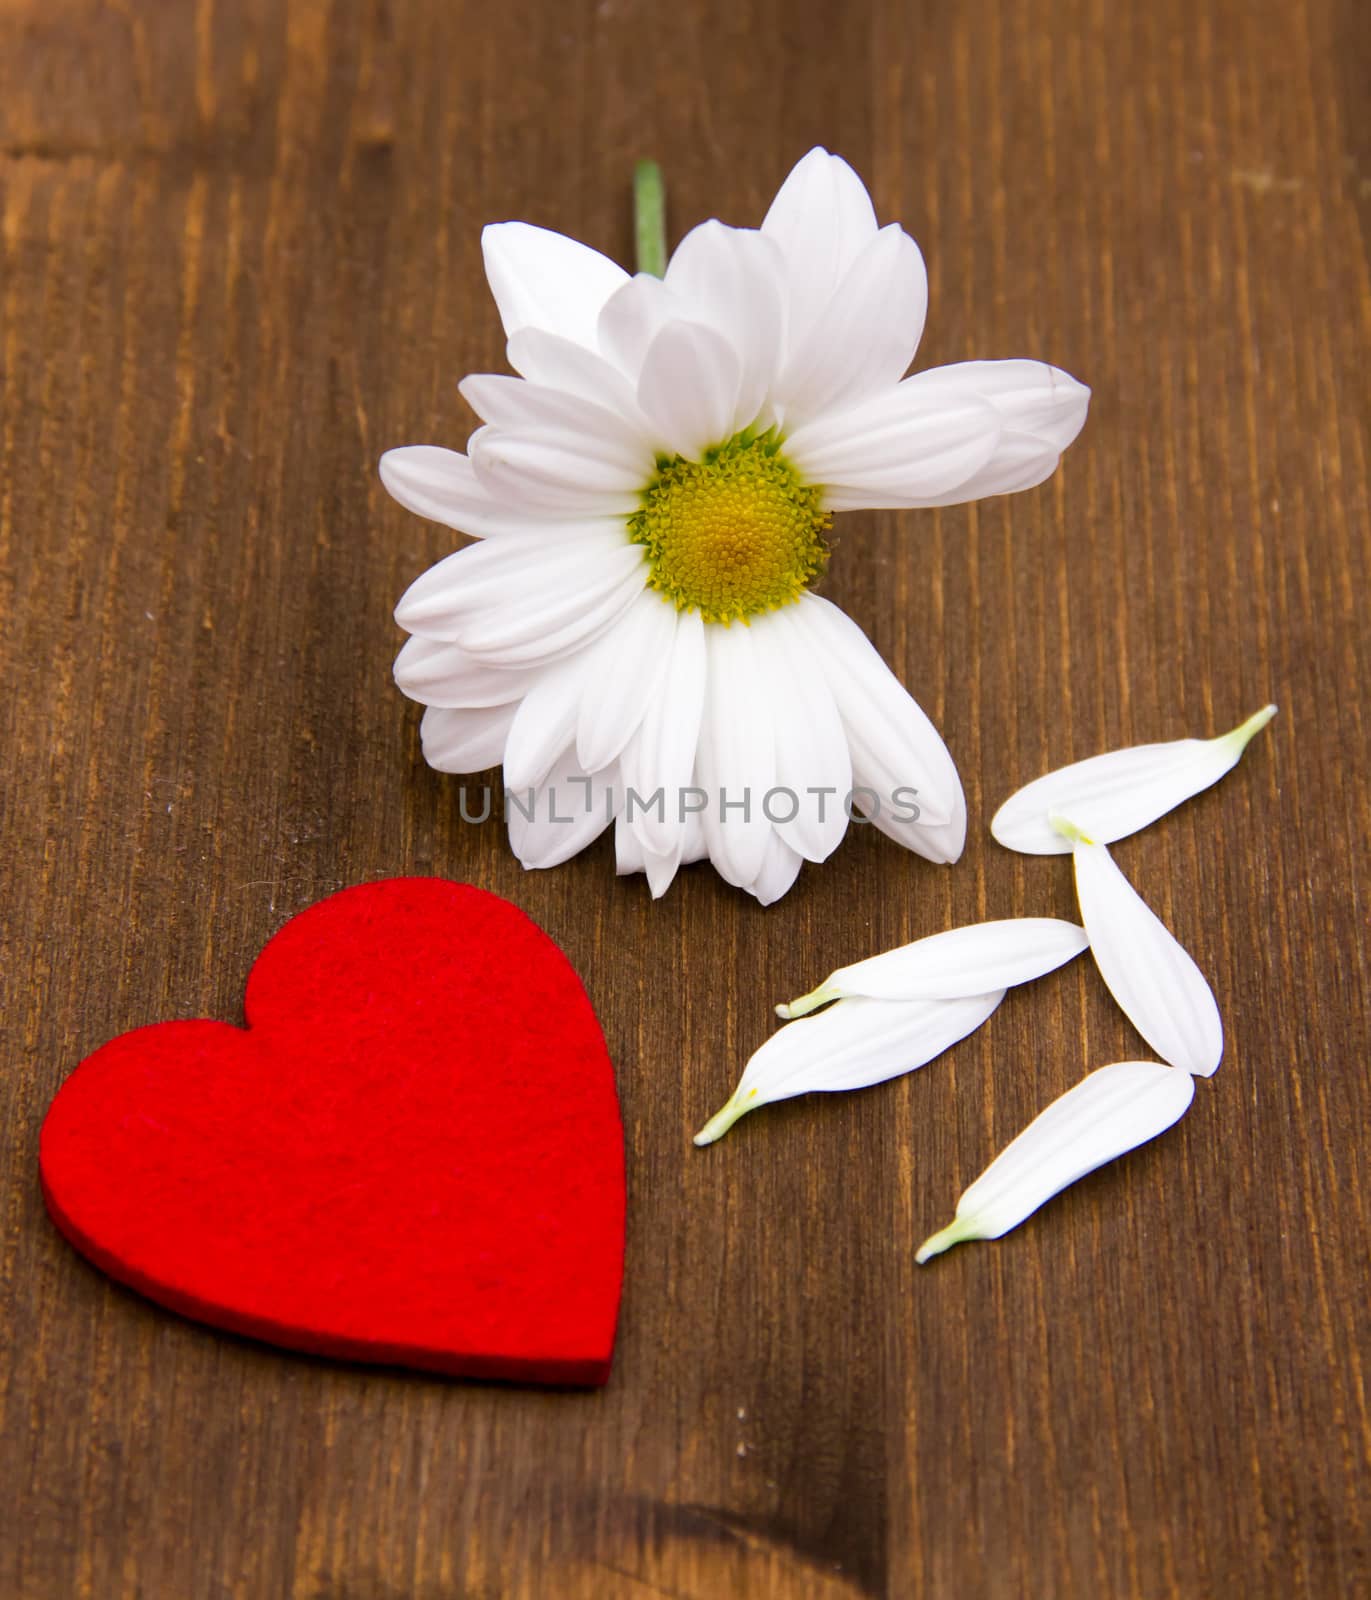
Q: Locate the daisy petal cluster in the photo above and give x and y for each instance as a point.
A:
(1153, 978)
(894, 1012)
(635, 635)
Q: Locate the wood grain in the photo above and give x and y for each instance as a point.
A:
(240, 258)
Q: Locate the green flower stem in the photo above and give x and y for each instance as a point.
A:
(649, 218)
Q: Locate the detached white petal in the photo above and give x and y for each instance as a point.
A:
(951, 965)
(1156, 983)
(852, 1045)
(1112, 795)
(1109, 1113)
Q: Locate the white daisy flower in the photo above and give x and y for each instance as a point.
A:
(654, 495)
(1107, 1114)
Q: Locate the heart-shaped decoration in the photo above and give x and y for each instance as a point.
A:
(412, 1154)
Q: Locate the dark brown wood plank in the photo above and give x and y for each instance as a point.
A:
(240, 258)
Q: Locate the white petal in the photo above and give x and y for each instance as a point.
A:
(780, 868)
(732, 280)
(899, 448)
(632, 318)
(661, 871)
(866, 336)
(821, 220)
(545, 722)
(1110, 796)
(626, 669)
(661, 756)
(548, 624)
(442, 486)
(558, 819)
(467, 740)
(1020, 462)
(472, 580)
(689, 387)
(550, 477)
(1031, 397)
(630, 856)
(961, 961)
(542, 279)
(567, 420)
(1107, 1114)
(439, 674)
(694, 846)
(813, 765)
(1030, 412)
(628, 851)
(737, 756)
(939, 842)
(557, 363)
(895, 748)
(1157, 985)
(1041, 410)
(852, 1045)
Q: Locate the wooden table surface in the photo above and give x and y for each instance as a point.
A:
(241, 258)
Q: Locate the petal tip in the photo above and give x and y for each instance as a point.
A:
(958, 1231)
(1240, 737)
(806, 1003)
(723, 1119)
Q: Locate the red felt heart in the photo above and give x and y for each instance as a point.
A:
(412, 1154)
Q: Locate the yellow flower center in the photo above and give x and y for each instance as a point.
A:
(734, 534)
